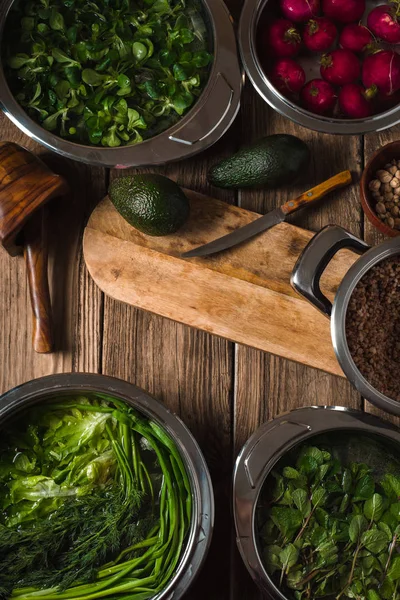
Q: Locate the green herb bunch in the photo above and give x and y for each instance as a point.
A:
(94, 499)
(108, 72)
(330, 531)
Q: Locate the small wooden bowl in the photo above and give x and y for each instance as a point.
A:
(377, 161)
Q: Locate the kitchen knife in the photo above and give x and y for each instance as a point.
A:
(278, 215)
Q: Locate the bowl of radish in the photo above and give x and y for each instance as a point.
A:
(329, 65)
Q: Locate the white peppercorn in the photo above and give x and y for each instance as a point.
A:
(385, 190)
(375, 184)
(384, 176)
(395, 182)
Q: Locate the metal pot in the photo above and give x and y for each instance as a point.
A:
(199, 537)
(201, 127)
(305, 279)
(273, 441)
(249, 22)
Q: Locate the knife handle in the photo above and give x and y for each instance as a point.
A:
(338, 181)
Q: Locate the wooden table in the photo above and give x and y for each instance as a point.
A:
(221, 390)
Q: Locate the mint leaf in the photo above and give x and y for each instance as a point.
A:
(287, 520)
(319, 497)
(394, 569)
(374, 540)
(374, 507)
(271, 558)
(288, 557)
(358, 525)
(291, 473)
(302, 502)
(364, 488)
(347, 480)
(391, 486)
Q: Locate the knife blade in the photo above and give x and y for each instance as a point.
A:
(274, 217)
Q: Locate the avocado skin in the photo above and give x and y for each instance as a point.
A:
(151, 203)
(270, 162)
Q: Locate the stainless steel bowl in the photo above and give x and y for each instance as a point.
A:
(305, 279)
(201, 127)
(273, 441)
(249, 21)
(199, 537)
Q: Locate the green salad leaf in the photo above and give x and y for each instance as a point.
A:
(92, 496)
(65, 58)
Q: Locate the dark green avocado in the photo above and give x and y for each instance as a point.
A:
(270, 162)
(151, 203)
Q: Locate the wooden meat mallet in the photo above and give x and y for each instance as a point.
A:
(26, 184)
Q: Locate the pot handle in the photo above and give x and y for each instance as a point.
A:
(315, 258)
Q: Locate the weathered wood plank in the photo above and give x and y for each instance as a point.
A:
(265, 385)
(76, 300)
(192, 372)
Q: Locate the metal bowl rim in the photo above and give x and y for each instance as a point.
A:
(357, 420)
(197, 546)
(123, 156)
(368, 260)
(247, 33)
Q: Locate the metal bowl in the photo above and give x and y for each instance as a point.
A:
(199, 537)
(251, 14)
(342, 427)
(305, 279)
(201, 127)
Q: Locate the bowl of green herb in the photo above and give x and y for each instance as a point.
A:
(120, 83)
(317, 507)
(103, 493)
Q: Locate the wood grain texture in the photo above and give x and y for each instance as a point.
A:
(227, 295)
(266, 260)
(77, 302)
(26, 184)
(36, 261)
(222, 392)
(336, 182)
(266, 385)
(191, 371)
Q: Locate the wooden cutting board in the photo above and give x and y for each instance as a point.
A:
(243, 294)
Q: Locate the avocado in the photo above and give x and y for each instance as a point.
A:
(270, 162)
(151, 203)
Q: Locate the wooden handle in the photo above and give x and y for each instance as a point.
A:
(25, 185)
(338, 181)
(35, 253)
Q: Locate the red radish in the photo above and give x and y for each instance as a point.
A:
(383, 22)
(340, 67)
(382, 70)
(344, 11)
(319, 34)
(318, 96)
(300, 10)
(385, 101)
(355, 101)
(287, 76)
(356, 37)
(283, 39)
